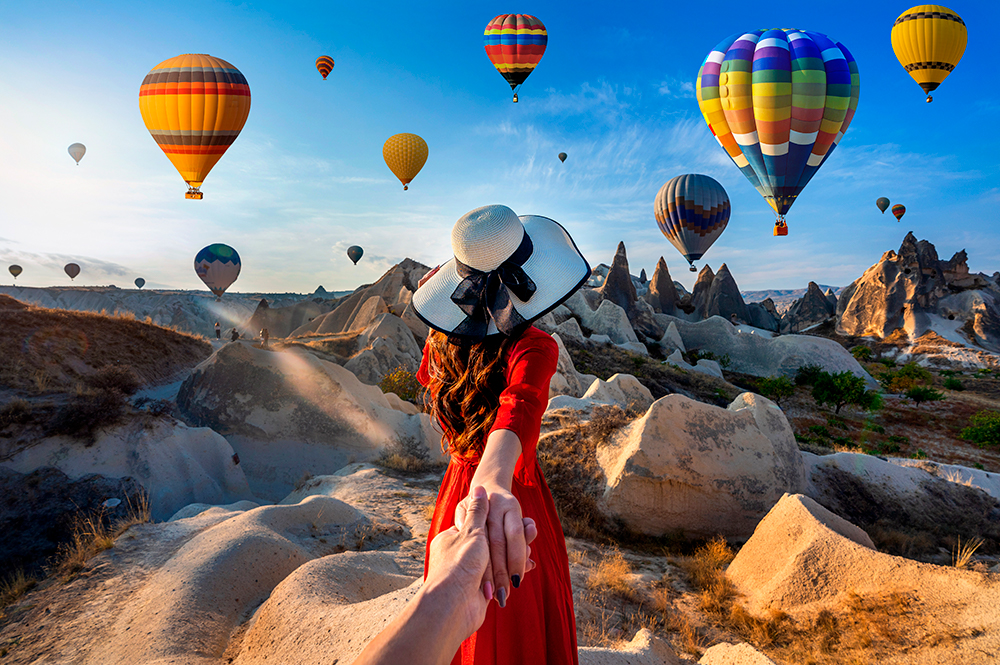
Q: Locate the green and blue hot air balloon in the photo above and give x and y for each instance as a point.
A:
(218, 266)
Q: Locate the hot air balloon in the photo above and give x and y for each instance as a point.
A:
(355, 253)
(77, 151)
(515, 43)
(140, 282)
(72, 270)
(562, 157)
(899, 210)
(929, 41)
(883, 204)
(324, 64)
(778, 101)
(218, 266)
(405, 154)
(15, 270)
(194, 106)
(692, 211)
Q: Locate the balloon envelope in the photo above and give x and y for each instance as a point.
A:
(355, 253)
(778, 101)
(15, 270)
(405, 155)
(692, 211)
(563, 156)
(77, 151)
(515, 43)
(218, 266)
(72, 270)
(929, 41)
(140, 282)
(194, 106)
(324, 64)
(898, 210)
(883, 204)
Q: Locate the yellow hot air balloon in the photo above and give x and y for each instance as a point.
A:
(194, 105)
(405, 155)
(929, 40)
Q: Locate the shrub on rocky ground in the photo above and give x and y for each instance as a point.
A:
(921, 394)
(776, 388)
(983, 429)
(402, 382)
(807, 375)
(87, 413)
(407, 455)
(843, 388)
(951, 383)
(121, 378)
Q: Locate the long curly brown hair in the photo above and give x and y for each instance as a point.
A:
(464, 390)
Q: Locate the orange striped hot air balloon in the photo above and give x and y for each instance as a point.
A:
(515, 44)
(194, 105)
(324, 64)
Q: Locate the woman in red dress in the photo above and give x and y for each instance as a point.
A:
(487, 372)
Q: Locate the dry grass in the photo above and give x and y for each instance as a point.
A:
(407, 456)
(94, 532)
(956, 476)
(962, 554)
(15, 586)
(43, 349)
(610, 577)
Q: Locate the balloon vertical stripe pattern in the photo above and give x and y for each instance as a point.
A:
(929, 41)
(515, 43)
(194, 106)
(692, 211)
(778, 101)
(324, 64)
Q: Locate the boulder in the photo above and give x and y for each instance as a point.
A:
(608, 319)
(763, 315)
(762, 355)
(725, 653)
(566, 380)
(692, 467)
(288, 412)
(662, 294)
(644, 649)
(811, 309)
(175, 464)
(570, 329)
(704, 365)
(671, 340)
(622, 390)
(37, 511)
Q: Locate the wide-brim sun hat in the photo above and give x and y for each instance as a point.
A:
(507, 272)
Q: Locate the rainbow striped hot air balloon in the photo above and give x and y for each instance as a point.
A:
(778, 101)
(692, 211)
(515, 43)
(899, 210)
(324, 64)
(194, 106)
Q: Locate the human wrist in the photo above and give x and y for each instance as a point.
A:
(446, 602)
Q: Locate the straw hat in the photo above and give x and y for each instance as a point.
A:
(507, 271)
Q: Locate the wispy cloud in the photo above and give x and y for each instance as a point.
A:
(677, 88)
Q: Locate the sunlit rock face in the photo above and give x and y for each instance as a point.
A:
(287, 413)
(915, 291)
(812, 308)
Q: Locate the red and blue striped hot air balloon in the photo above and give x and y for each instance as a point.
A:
(778, 101)
(692, 211)
(515, 43)
(324, 64)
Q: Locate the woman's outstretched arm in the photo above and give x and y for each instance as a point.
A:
(508, 549)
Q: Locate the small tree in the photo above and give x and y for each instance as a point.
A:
(807, 375)
(843, 388)
(922, 394)
(776, 388)
(862, 353)
(951, 383)
(983, 429)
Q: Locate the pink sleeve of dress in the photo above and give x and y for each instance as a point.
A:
(530, 368)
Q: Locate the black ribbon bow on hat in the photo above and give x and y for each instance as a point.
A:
(482, 296)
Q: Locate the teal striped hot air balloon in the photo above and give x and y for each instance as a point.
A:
(692, 211)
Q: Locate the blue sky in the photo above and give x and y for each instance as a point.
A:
(615, 90)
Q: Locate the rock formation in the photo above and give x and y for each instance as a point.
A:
(642, 276)
(701, 290)
(812, 308)
(618, 288)
(701, 469)
(915, 291)
(763, 315)
(724, 297)
(288, 412)
(662, 294)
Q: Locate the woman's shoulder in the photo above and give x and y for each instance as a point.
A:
(537, 340)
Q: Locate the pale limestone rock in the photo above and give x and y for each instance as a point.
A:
(701, 469)
(725, 653)
(566, 380)
(644, 649)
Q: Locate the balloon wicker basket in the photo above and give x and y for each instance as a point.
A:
(781, 229)
(194, 194)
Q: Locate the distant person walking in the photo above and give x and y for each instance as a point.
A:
(234, 335)
(218, 330)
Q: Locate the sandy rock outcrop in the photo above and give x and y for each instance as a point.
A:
(644, 649)
(662, 294)
(763, 355)
(905, 290)
(622, 390)
(725, 653)
(282, 320)
(607, 319)
(174, 463)
(288, 412)
(701, 469)
(803, 558)
(812, 308)
(385, 344)
(704, 365)
(566, 380)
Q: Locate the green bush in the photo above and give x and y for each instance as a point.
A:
(874, 427)
(922, 394)
(888, 362)
(843, 388)
(951, 383)
(920, 454)
(906, 377)
(819, 430)
(402, 382)
(900, 438)
(776, 388)
(807, 375)
(862, 353)
(950, 372)
(983, 429)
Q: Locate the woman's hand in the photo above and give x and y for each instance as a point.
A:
(508, 542)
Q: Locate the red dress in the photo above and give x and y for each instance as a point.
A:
(538, 626)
